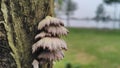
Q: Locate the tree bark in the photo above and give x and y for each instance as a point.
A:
(21, 18)
(6, 60)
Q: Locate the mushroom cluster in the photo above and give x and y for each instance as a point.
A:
(49, 46)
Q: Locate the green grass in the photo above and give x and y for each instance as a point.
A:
(92, 48)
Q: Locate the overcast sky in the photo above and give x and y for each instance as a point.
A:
(87, 8)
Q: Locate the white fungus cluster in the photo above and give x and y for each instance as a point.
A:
(49, 46)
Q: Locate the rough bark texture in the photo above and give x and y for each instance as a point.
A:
(20, 20)
(6, 60)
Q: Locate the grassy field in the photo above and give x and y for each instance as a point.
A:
(92, 48)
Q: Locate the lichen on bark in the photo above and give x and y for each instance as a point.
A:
(20, 20)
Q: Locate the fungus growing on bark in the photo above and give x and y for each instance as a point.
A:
(48, 21)
(42, 34)
(50, 43)
(49, 46)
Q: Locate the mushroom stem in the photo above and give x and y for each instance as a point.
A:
(35, 64)
(50, 65)
(44, 65)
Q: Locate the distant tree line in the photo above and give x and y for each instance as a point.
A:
(67, 7)
(101, 14)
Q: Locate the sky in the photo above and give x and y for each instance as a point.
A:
(87, 8)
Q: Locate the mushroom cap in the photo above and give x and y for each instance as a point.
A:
(49, 21)
(59, 31)
(50, 43)
(51, 56)
(52, 31)
(42, 34)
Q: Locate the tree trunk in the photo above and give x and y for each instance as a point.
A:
(20, 20)
(68, 20)
(115, 18)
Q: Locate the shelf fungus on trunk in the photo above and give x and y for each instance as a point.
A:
(49, 46)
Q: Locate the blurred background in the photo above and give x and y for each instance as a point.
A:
(94, 38)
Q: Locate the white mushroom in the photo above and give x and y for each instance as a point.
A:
(42, 34)
(52, 44)
(52, 56)
(48, 41)
(59, 31)
(49, 21)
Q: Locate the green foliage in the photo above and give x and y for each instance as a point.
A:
(77, 66)
(67, 6)
(100, 10)
(70, 6)
(68, 65)
(100, 13)
(60, 2)
(111, 1)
